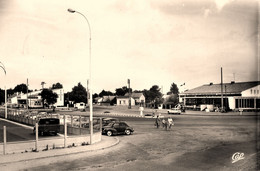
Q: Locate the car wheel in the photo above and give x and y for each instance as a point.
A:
(127, 132)
(109, 133)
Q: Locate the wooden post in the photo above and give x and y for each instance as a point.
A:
(65, 132)
(4, 140)
(36, 136)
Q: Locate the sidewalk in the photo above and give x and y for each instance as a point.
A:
(106, 142)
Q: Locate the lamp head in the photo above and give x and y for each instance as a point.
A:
(71, 10)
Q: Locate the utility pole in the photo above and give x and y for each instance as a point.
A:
(27, 104)
(221, 89)
(129, 93)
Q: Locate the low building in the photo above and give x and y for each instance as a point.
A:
(124, 101)
(139, 98)
(236, 96)
(34, 99)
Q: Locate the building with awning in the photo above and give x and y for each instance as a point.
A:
(236, 95)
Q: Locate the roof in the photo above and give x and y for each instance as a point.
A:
(228, 88)
(107, 98)
(134, 95)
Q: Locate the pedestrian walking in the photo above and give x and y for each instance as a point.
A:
(157, 121)
(170, 122)
(164, 123)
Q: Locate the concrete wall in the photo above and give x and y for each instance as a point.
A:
(57, 142)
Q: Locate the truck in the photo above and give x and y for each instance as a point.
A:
(48, 126)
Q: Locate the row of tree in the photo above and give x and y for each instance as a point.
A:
(153, 95)
(80, 94)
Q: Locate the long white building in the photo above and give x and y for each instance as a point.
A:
(236, 96)
(34, 99)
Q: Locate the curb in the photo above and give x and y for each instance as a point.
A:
(64, 154)
(124, 115)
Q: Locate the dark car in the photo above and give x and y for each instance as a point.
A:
(105, 122)
(115, 128)
(47, 126)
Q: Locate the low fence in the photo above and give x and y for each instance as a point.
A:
(77, 127)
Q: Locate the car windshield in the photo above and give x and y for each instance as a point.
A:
(49, 121)
(110, 124)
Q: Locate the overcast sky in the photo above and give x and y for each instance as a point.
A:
(150, 42)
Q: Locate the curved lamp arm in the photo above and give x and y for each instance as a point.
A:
(3, 69)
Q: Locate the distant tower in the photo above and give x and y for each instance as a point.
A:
(42, 83)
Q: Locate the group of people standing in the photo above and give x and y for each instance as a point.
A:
(166, 123)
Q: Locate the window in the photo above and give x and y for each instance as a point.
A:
(116, 125)
(122, 124)
(251, 91)
(254, 91)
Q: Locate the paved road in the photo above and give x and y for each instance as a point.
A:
(194, 143)
(23, 133)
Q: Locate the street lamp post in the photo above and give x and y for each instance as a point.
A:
(3, 67)
(90, 79)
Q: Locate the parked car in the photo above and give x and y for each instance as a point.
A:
(115, 128)
(105, 122)
(47, 126)
(174, 111)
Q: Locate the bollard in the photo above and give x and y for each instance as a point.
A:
(100, 125)
(79, 121)
(71, 116)
(65, 132)
(4, 139)
(36, 136)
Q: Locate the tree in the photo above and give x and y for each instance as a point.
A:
(21, 88)
(2, 96)
(122, 91)
(48, 97)
(173, 99)
(174, 89)
(78, 94)
(105, 93)
(153, 95)
(57, 86)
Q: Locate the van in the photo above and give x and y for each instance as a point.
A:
(48, 126)
(79, 106)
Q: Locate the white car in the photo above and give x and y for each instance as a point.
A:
(174, 111)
